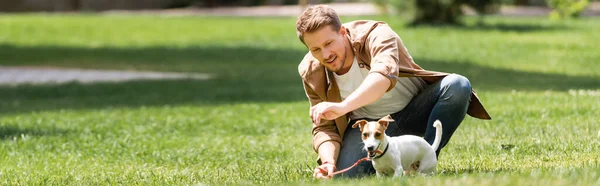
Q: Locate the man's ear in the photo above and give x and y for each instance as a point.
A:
(359, 123)
(343, 30)
(385, 121)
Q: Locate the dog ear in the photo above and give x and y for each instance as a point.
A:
(387, 118)
(385, 121)
(359, 123)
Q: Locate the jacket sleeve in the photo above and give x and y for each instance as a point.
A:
(326, 130)
(387, 53)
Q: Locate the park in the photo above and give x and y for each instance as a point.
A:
(246, 121)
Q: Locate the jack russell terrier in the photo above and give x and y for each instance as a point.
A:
(398, 155)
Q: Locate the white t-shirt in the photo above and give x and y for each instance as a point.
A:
(392, 101)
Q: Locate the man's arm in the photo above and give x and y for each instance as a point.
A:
(326, 138)
(329, 151)
(369, 91)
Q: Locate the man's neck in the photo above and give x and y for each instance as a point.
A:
(349, 58)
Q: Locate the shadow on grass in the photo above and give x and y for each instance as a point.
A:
(495, 79)
(11, 132)
(243, 74)
(238, 60)
(502, 27)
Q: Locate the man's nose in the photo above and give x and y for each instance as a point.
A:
(326, 54)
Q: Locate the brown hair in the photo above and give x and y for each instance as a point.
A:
(315, 18)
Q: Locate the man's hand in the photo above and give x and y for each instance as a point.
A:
(327, 111)
(324, 171)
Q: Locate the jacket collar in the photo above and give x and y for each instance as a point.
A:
(329, 77)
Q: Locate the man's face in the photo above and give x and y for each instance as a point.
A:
(327, 46)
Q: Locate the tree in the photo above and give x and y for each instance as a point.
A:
(483, 7)
(439, 11)
(303, 3)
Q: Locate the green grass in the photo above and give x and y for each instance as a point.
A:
(539, 80)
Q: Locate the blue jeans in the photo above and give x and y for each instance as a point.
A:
(446, 100)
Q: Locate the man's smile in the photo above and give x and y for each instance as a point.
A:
(332, 60)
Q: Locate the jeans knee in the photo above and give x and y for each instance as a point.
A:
(457, 85)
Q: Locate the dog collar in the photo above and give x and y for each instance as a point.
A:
(384, 150)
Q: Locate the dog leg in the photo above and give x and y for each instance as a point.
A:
(399, 171)
(379, 175)
(427, 167)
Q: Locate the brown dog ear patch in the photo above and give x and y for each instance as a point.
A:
(359, 123)
(387, 118)
(385, 121)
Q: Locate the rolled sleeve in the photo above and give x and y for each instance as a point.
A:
(326, 130)
(387, 52)
(323, 133)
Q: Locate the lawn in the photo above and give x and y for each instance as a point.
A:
(540, 81)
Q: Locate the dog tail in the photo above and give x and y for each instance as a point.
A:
(438, 135)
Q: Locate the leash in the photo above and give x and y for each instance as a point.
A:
(346, 169)
(355, 164)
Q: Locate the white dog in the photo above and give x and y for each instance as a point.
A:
(398, 155)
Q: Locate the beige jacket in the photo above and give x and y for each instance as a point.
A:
(379, 48)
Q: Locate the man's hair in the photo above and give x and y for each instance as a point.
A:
(315, 18)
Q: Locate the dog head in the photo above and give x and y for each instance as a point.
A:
(373, 133)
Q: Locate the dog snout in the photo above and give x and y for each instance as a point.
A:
(370, 148)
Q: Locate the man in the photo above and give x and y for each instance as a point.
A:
(361, 70)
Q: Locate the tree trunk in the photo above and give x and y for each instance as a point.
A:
(303, 4)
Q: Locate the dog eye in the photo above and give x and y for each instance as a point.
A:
(377, 134)
(365, 135)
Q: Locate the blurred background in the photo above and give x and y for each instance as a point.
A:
(428, 10)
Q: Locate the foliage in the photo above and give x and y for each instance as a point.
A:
(566, 9)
